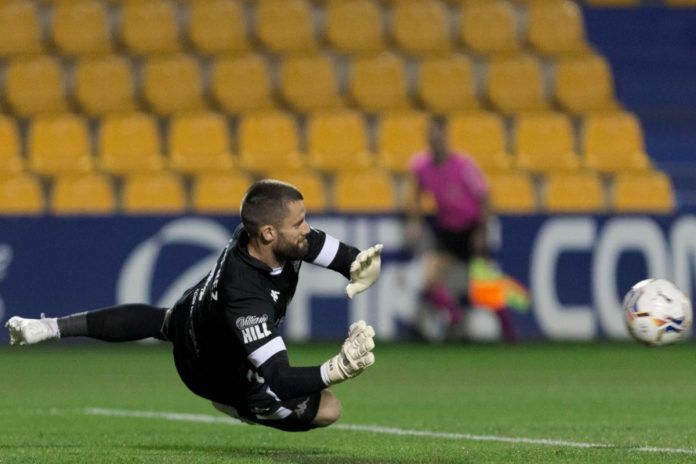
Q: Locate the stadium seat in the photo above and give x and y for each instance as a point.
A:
(104, 84)
(512, 193)
(488, 27)
(378, 83)
(584, 83)
(421, 27)
(217, 26)
(350, 190)
(309, 183)
(613, 142)
(59, 144)
(35, 85)
(400, 136)
(199, 142)
(481, 134)
(11, 161)
(580, 192)
(161, 193)
(544, 143)
(241, 83)
(219, 192)
(173, 83)
(354, 26)
(80, 28)
(309, 83)
(556, 27)
(337, 141)
(648, 192)
(21, 194)
(426, 200)
(129, 143)
(285, 26)
(515, 84)
(149, 27)
(258, 151)
(82, 194)
(20, 31)
(447, 83)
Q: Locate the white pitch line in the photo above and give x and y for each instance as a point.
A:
(208, 419)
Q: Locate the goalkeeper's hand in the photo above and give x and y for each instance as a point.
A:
(364, 270)
(355, 356)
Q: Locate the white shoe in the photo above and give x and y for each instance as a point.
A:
(30, 331)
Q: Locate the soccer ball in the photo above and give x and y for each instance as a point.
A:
(657, 312)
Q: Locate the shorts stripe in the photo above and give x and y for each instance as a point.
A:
(264, 353)
(281, 413)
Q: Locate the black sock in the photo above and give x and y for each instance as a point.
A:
(74, 325)
(115, 324)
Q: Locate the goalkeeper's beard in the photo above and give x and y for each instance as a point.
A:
(286, 250)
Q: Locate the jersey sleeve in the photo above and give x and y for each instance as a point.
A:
(327, 251)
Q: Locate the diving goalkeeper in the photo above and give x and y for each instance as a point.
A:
(225, 330)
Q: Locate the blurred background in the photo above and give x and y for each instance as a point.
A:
(130, 129)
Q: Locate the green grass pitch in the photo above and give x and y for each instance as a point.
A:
(608, 403)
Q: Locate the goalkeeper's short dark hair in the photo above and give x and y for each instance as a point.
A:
(266, 202)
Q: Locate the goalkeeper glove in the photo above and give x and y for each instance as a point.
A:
(355, 355)
(364, 270)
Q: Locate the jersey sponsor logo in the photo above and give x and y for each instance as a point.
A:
(248, 321)
(275, 294)
(255, 332)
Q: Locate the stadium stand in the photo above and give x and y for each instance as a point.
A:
(482, 135)
(350, 188)
(581, 192)
(512, 193)
(544, 143)
(34, 84)
(160, 193)
(556, 28)
(129, 143)
(104, 84)
(285, 26)
(489, 27)
(337, 141)
(80, 28)
(11, 161)
(613, 142)
(378, 83)
(20, 31)
(354, 26)
(199, 142)
(400, 135)
(241, 83)
(650, 192)
(173, 83)
(82, 194)
(21, 194)
(584, 83)
(515, 84)
(420, 27)
(310, 83)
(59, 144)
(149, 27)
(310, 184)
(219, 192)
(217, 26)
(259, 152)
(447, 83)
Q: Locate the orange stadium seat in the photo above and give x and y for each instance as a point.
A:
(82, 194)
(512, 193)
(354, 26)
(217, 26)
(241, 83)
(481, 134)
(515, 84)
(59, 144)
(35, 85)
(350, 188)
(173, 83)
(489, 27)
(544, 143)
(648, 192)
(21, 194)
(401, 135)
(219, 192)
(260, 152)
(199, 142)
(149, 26)
(580, 192)
(378, 83)
(556, 27)
(613, 142)
(337, 141)
(309, 183)
(584, 83)
(421, 27)
(11, 160)
(20, 31)
(161, 193)
(81, 27)
(104, 84)
(447, 83)
(285, 25)
(129, 143)
(309, 82)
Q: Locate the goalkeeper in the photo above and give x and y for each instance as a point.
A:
(226, 329)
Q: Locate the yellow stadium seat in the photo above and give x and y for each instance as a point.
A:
(512, 193)
(309, 183)
(354, 26)
(648, 192)
(241, 83)
(59, 144)
(285, 25)
(544, 143)
(199, 142)
(81, 27)
(446, 83)
(219, 192)
(581, 192)
(613, 142)
(488, 27)
(129, 143)
(217, 26)
(161, 193)
(584, 83)
(268, 140)
(104, 84)
(556, 27)
(11, 160)
(20, 31)
(35, 85)
(173, 83)
(421, 26)
(149, 26)
(481, 134)
(309, 82)
(82, 194)
(426, 200)
(515, 84)
(350, 192)
(400, 136)
(21, 194)
(337, 141)
(378, 83)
